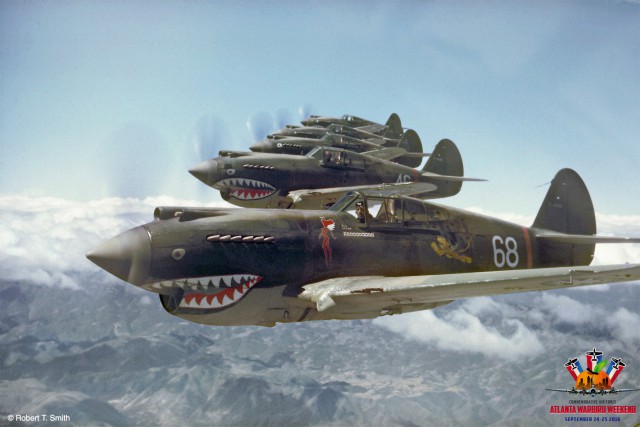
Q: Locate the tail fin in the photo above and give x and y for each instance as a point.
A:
(394, 127)
(567, 208)
(411, 142)
(445, 160)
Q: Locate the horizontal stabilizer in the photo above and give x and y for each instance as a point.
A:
(581, 239)
(387, 153)
(303, 198)
(450, 178)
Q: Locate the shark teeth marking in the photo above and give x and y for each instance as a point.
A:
(246, 189)
(224, 296)
(208, 284)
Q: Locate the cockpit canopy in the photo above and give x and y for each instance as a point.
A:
(338, 158)
(379, 209)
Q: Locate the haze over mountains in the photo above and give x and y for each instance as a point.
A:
(76, 341)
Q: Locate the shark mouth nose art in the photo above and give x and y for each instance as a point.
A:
(211, 292)
(246, 189)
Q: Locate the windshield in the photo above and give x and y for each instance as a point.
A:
(344, 201)
(370, 210)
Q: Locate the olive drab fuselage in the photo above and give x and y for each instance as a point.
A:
(265, 180)
(286, 249)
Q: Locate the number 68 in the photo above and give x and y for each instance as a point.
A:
(505, 252)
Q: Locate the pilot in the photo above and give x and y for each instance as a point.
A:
(362, 213)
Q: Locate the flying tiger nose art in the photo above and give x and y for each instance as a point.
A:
(211, 292)
(246, 189)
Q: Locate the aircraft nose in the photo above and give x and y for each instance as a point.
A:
(204, 170)
(126, 256)
(258, 147)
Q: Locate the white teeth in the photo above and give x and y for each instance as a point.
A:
(236, 288)
(244, 183)
(209, 284)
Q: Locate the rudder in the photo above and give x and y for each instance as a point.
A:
(445, 160)
(394, 127)
(411, 142)
(567, 208)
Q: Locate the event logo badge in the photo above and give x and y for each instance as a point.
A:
(597, 379)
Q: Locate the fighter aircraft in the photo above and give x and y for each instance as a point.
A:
(391, 129)
(317, 132)
(267, 180)
(410, 142)
(373, 253)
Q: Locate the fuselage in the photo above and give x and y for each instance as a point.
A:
(264, 180)
(204, 262)
(302, 145)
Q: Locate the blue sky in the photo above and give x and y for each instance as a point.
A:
(102, 99)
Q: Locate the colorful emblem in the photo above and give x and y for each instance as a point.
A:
(598, 376)
(328, 226)
(442, 247)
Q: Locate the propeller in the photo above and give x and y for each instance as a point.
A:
(305, 111)
(206, 138)
(260, 125)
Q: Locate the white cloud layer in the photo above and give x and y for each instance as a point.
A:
(461, 330)
(44, 240)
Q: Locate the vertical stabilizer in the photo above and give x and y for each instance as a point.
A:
(411, 142)
(567, 208)
(394, 127)
(445, 160)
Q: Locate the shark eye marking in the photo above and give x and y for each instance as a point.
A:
(231, 172)
(178, 254)
(239, 238)
(246, 189)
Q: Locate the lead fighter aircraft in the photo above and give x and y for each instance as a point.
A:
(374, 252)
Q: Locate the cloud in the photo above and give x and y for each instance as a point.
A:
(44, 240)
(618, 322)
(461, 330)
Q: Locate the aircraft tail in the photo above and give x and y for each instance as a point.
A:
(445, 160)
(567, 212)
(394, 127)
(411, 142)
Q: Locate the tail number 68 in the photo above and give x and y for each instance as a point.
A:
(505, 251)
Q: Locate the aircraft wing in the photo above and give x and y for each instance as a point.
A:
(410, 293)
(583, 239)
(315, 199)
(386, 153)
(450, 177)
(390, 153)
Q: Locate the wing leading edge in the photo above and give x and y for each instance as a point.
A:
(400, 294)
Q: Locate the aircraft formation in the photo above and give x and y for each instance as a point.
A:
(340, 226)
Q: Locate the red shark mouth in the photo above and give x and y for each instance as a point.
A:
(211, 292)
(246, 189)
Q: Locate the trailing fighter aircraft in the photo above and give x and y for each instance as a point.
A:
(391, 129)
(410, 142)
(373, 253)
(318, 179)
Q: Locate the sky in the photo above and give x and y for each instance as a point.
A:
(120, 99)
(104, 106)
